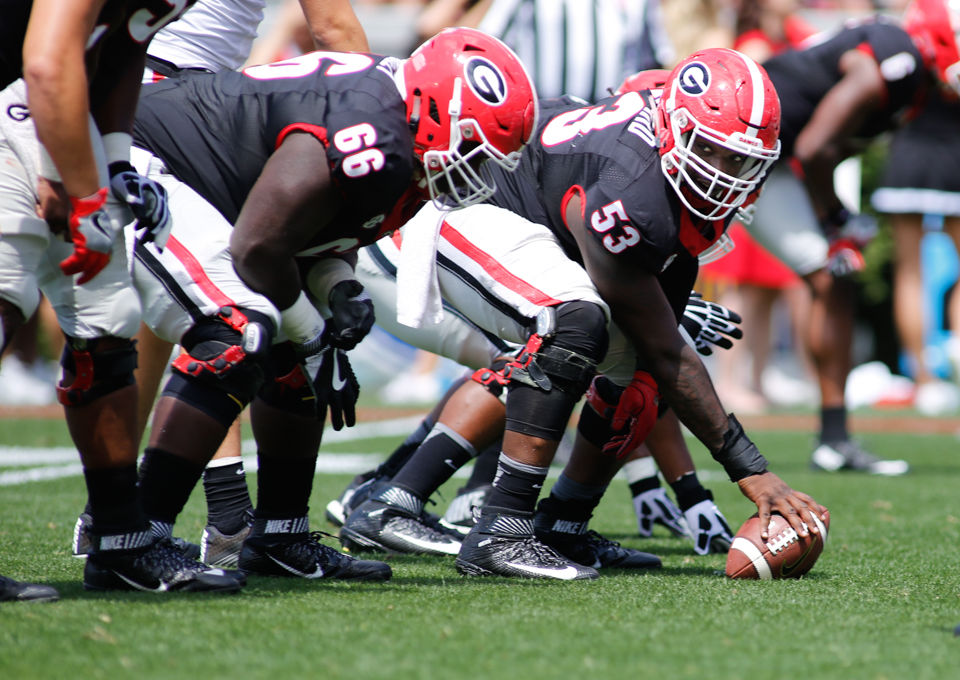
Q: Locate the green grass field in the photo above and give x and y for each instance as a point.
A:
(881, 602)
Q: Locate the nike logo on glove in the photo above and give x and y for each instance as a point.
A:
(338, 381)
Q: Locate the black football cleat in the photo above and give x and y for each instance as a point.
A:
(357, 491)
(393, 522)
(460, 515)
(574, 541)
(158, 566)
(19, 591)
(503, 544)
(300, 553)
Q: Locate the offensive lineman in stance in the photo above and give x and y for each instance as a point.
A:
(275, 175)
(612, 204)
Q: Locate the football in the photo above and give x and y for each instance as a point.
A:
(783, 555)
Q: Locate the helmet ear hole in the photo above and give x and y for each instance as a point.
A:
(474, 89)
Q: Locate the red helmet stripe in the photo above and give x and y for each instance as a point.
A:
(758, 99)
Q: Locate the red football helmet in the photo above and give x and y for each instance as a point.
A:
(651, 79)
(934, 26)
(717, 98)
(469, 99)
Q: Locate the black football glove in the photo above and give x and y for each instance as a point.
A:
(330, 378)
(146, 199)
(708, 323)
(336, 386)
(351, 312)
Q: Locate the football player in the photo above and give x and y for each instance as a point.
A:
(212, 36)
(276, 175)
(81, 62)
(468, 423)
(608, 213)
(839, 93)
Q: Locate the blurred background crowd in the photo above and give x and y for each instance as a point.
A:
(904, 351)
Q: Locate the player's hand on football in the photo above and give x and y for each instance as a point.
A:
(95, 223)
(771, 494)
(710, 324)
(351, 312)
(146, 199)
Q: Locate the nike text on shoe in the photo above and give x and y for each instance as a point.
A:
(302, 554)
(18, 591)
(711, 533)
(379, 525)
(357, 491)
(83, 540)
(504, 545)
(850, 455)
(222, 550)
(459, 516)
(655, 507)
(159, 566)
(574, 541)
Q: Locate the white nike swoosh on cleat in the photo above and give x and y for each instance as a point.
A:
(317, 573)
(162, 588)
(448, 548)
(566, 574)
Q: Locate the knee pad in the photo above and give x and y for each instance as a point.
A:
(598, 410)
(492, 378)
(554, 369)
(225, 353)
(570, 340)
(99, 366)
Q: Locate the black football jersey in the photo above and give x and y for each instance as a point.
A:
(606, 152)
(130, 21)
(215, 132)
(803, 76)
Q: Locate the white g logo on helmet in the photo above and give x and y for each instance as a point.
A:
(486, 81)
(694, 79)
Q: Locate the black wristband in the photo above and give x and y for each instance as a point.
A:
(739, 456)
(117, 167)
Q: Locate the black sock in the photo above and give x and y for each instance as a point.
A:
(484, 467)
(284, 486)
(402, 453)
(113, 500)
(689, 491)
(228, 498)
(517, 485)
(441, 454)
(833, 424)
(166, 481)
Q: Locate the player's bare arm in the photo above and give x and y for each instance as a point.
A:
(55, 72)
(820, 145)
(335, 26)
(289, 205)
(641, 310)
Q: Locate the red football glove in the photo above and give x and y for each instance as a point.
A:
(844, 257)
(635, 416)
(92, 232)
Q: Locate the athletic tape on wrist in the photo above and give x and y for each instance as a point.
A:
(327, 273)
(739, 456)
(301, 322)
